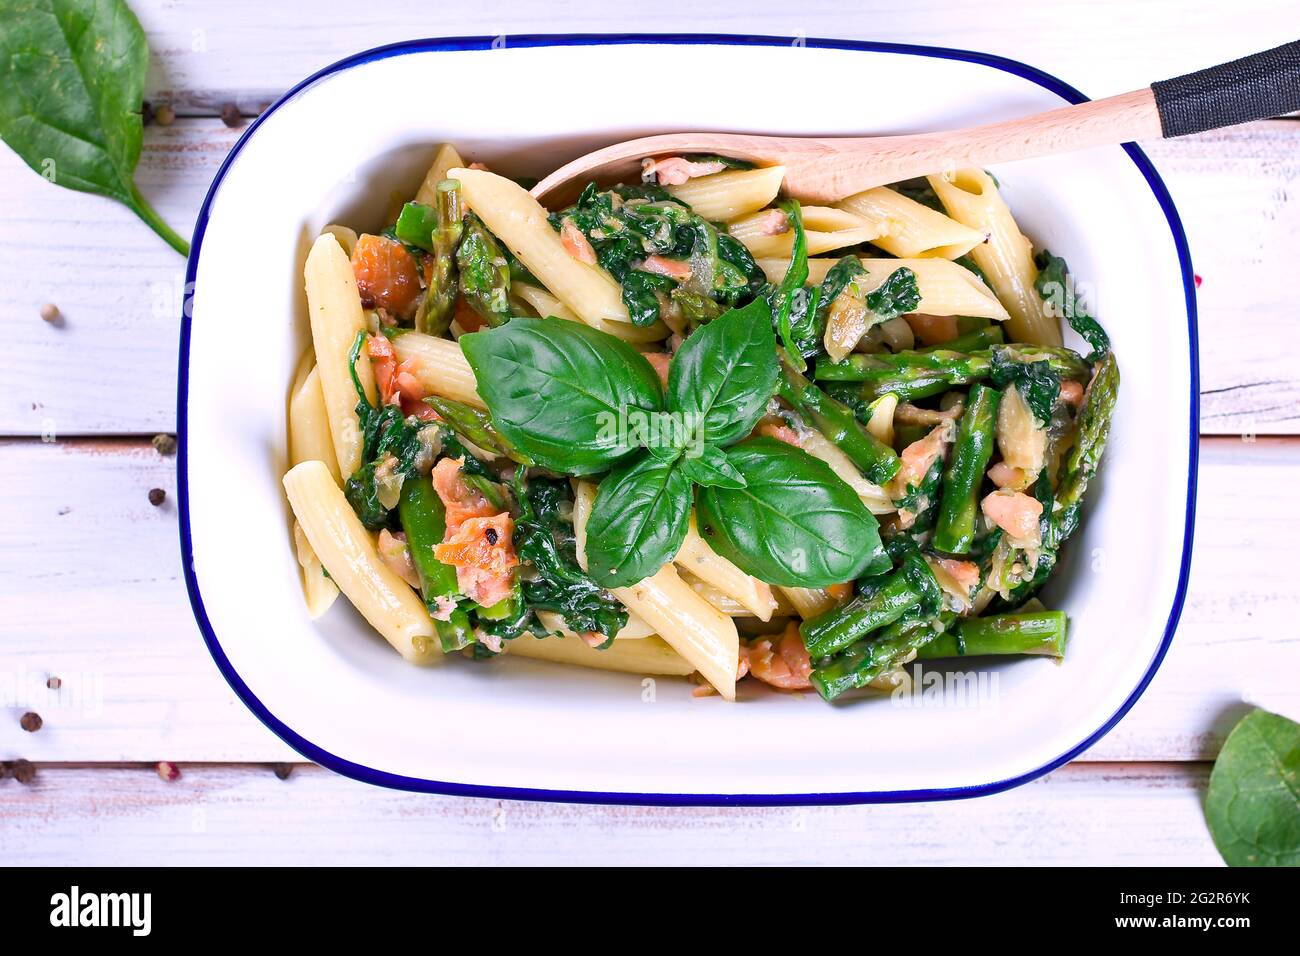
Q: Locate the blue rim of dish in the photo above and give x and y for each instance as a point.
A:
(397, 781)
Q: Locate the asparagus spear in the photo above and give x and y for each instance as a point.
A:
(881, 370)
(444, 236)
(1084, 457)
(475, 426)
(424, 519)
(955, 528)
(867, 660)
(484, 273)
(911, 587)
(1040, 632)
(837, 422)
(971, 341)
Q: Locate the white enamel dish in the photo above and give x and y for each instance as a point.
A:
(335, 151)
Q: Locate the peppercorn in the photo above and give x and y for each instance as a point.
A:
(491, 535)
(168, 770)
(50, 313)
(164, 444)
(146, 113)
(230, 115)
(24, 771)
(164, 115)
(54, 683)
(282, 770)
(31, 722)
(157, 496)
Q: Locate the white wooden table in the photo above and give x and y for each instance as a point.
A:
(90, 584)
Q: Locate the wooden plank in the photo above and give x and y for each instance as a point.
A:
(80, 545)
(251, 51)
(120, 286)
(1148, 814)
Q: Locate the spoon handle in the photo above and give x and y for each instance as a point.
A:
(1255, 87)
(1259, 86)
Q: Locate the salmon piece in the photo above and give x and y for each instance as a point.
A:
(387, 276)
(461, 501)
(780, 432)
(1015, 513)
(841, 592)
(918, 457)
(397, 556)
(397, 383)
(773, 223)
(575, 243)
(783, 663)
(933, 329)
(383, 362)
(675, 170)
(483, 553)
(965, 574)
(1004, 476)
(1071, 392)
(659, 362)
(662, 266)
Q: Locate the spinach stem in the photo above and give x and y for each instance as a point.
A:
(155, 222)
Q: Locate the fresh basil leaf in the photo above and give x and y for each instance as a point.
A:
(723, 376)
(795, 523)
(563, 393)
(638, 522)
(72, 80)
(711, 469)
(1253, 803)
(1057, 291)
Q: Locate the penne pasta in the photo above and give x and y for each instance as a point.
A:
(544, 304)
(309, 427)
(710, 567)
(445, 159)
(724, 196)
(881, 423)
(309, 440)
(635, 629)
(909, 229)
(694, 628)
(519, 221)
(439, 365)
(334, 306)
(809, 602)
(946, 288)
(348, 553)
(825, 228)
(347, 237)
(318, 589)
(1006, 259)
(648, 656)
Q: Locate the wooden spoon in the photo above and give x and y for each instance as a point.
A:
(827, 169)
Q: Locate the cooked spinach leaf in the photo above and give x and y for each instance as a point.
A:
(1056, 287)
(545, 539)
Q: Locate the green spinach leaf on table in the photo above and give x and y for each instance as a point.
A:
(72, 77)
(1253, 802)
